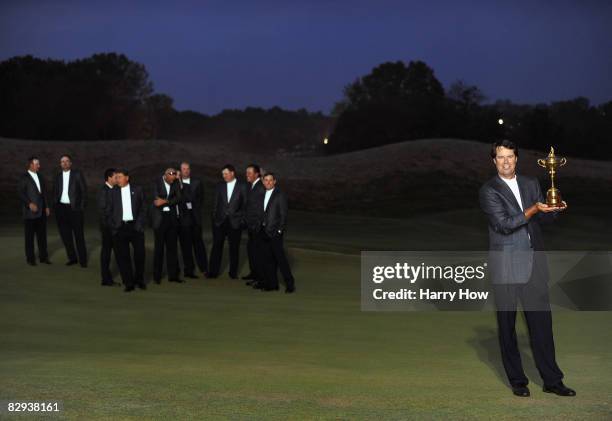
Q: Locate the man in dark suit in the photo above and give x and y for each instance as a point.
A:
(126, 216)
(165, 222)
(69, 201)
(102, 199)
(514, 207)
(190, 233)
(35, 210)
(253, 219)
(271, 238)
(229, 204)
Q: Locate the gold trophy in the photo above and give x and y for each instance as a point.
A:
(551, 163)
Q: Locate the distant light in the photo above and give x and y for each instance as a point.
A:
(500, 121)
(325, 141)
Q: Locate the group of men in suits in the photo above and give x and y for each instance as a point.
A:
(175, 214)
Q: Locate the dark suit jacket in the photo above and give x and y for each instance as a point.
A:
(254, 206)
(28, 193)
(512, 238)
(102, 199)
(174, 198)
(194, 193)
(235, 209)
(77, 189)
(275, 215)
(114, 209)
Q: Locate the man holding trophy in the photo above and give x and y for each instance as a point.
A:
(518, 269)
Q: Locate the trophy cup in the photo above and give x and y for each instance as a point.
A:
(551, 163)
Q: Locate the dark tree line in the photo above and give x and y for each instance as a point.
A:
(398, 102)
(108, 96)
(105, 96)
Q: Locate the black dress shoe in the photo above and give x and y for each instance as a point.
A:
(233, 276)
(178, 281)
(266, 289)
(110, 284)
(84, 265)
(249, 277)
(559, 389)
(191, 276)
(32, 263)
(521, 391)
(257, 285)
(290, 289)
(210, 276)
(250, 283)
(71, 262)
(128, 289)
(46, 261)
(142, 285)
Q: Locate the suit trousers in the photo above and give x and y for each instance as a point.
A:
(533, 296)
(105, 254)
(125, 236)
(166, 238)
(36, 227)
(192, 243)
(273, 257)
(220, 232)
(70, 224)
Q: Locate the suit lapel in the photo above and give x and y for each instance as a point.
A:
(133, 197)
(224, 193)
(523, 189)
(504, 189)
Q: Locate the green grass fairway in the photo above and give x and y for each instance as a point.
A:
(219, 350)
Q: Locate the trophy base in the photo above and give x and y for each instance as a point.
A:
(553, 197)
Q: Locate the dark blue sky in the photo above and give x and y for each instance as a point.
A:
(211, 55)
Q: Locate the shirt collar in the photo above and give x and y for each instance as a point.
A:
(127, 186)
(109, 186)
(232, 182)
(33, 173)
(508, 180)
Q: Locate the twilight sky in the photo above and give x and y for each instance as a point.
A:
(212, 55)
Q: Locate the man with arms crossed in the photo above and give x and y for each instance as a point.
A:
(514, 208)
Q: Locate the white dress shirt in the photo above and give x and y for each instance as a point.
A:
(65, 184)
(109, 186)
(230, 189)
(513, 184)
(267, 197)
(36, 180)
(187, 181)
(126, 203)
(166, 208)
